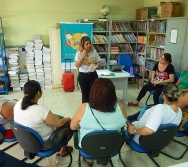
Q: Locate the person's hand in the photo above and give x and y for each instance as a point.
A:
(95, 68)
(157, 82)
(84, 53)
(152, 80)
(131, 128)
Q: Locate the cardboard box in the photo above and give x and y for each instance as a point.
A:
(138, 14)
(170, 9)
(147, 12)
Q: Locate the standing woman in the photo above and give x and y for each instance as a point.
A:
(87, 61)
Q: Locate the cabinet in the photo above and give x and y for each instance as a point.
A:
(3, 63)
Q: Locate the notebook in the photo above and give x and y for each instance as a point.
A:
(117, 68)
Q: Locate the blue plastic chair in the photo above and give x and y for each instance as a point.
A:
(176, 77)
(126, 59)
(100, 145)
(33, 144)
(154, 143)
(3, 139)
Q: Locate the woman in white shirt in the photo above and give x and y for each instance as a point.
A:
(29, 113)
(159, 114)
(87, 61)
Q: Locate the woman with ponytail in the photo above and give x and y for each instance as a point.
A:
(29, 113)
(153, 117)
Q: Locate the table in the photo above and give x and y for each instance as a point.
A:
(120, 80)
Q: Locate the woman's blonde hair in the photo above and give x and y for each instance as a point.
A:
(82, 42)
(171, 91)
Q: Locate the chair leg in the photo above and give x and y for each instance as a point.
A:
(147, 101)
(111, 163)
(70, 155)
(79, 160)
(153, 160)
(181, 156)
(123, 163)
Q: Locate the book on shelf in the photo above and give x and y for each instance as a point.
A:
(153, 26)
(140, 48)
(152, 39)
(97, 27)
(141, 39)
(142, 26)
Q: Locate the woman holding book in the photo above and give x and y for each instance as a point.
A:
(87, 61)
(162, 73)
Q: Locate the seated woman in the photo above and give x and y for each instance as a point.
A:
(110, 113)
(159, 114)
(6, 115)
(7, 160)
(29, 113)
(182, 84)
(163, 73)
(183, 104)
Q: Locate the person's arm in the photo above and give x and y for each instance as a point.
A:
(161, 82)
(141, 131)
(97, 63)
(80, 60)
(153, 121)
(96, 66)
(152, 77)
(183, 102)
(53, 120)
(7, 111)
(178, 82)
(121, 105)
(184, 90)
(74, 125)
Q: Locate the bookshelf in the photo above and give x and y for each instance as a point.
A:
(150, 44)
(3, 63)
(144, 40)
(100, 39)
(123, 38)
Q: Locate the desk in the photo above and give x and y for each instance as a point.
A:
(120, 80)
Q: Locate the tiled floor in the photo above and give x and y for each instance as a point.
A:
(67, 103)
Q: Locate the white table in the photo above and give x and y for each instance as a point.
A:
(120, 80)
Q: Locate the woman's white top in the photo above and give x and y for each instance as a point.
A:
(89, 61)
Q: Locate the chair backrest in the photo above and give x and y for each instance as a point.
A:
(104, 143)
(177, 76)
(160, 139)
(125, 59)
(28, 138)
(2, 132)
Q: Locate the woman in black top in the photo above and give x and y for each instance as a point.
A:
(162, 73)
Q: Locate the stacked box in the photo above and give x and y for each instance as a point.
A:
(138, 14)
(170, 9)
(147, 12)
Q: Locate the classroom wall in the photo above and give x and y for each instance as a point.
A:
(22, 19)
(148, 3)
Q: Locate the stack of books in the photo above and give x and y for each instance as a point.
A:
(13, 69)
(47, 68)
(38, 59)
(30, 65)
